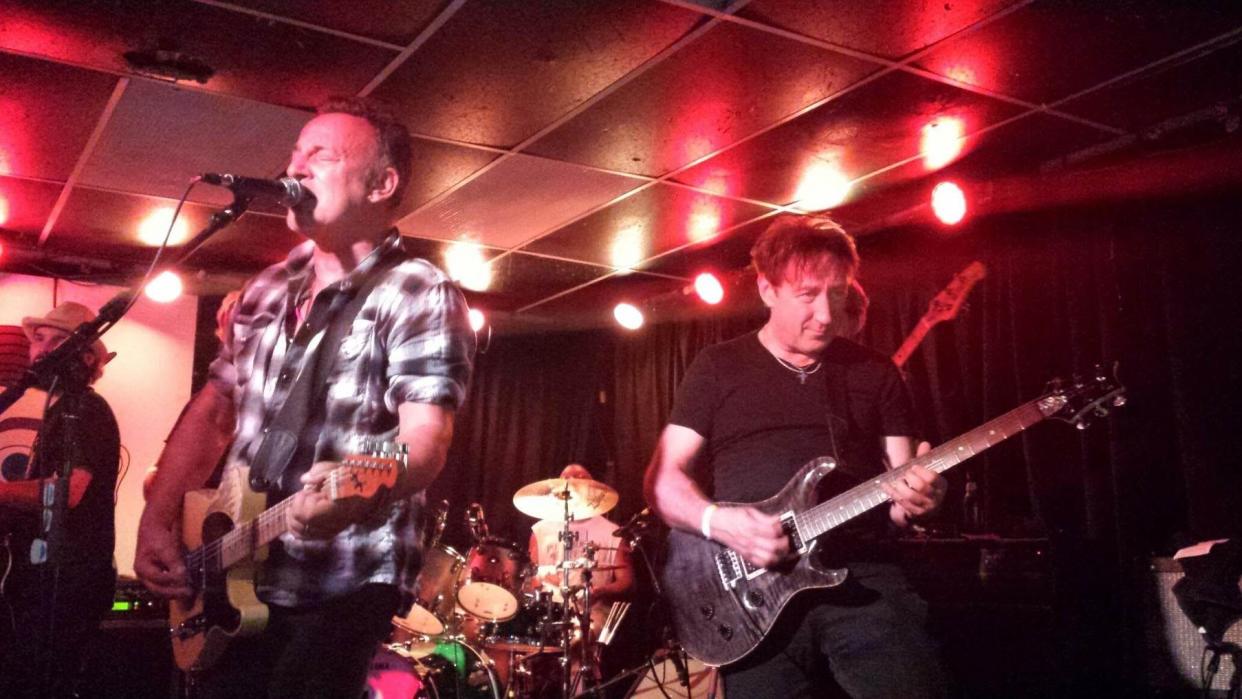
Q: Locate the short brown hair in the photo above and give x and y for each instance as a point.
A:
(805, 241)
(395, 144)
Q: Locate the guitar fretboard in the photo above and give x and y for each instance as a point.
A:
(244, 539)
(862, 498)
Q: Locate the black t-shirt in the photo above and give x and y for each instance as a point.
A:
(761, 424)
(90, 534)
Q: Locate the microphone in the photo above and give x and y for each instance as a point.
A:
(286, 191)
(634, 525)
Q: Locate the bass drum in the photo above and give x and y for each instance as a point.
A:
(451, 671)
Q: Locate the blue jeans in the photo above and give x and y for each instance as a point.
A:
(866, 639)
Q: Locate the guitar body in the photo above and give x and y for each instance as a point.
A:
(226, 605)
(719, 623)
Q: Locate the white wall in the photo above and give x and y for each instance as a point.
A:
(146, 385)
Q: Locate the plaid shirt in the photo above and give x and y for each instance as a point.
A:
(411, 342)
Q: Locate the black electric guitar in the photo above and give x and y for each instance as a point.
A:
(226, 530)
(723, 607)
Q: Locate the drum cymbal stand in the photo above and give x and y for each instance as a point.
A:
(567, 537)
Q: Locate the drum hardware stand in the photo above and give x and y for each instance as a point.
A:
(567, 537)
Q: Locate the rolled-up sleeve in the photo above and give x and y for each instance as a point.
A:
(430, 349)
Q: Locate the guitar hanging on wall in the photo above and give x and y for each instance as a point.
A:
(944, 306)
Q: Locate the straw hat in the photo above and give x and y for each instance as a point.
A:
(67, 316)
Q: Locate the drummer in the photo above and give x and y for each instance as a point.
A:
(613, 576)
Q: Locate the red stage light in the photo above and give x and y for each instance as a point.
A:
(823, 186)
(4, 209)
(708, 287)
(942, 141)
(948, 202)
(164, 288)
(628, 316)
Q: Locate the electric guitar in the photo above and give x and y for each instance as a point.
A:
(223, 555)
(943, 307)
(722, 606)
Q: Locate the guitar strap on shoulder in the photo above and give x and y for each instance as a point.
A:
(837, 415)
(284, 442)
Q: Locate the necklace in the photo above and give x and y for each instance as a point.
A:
(801, 371)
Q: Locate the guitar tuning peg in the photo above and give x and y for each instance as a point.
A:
(1101, 411)
(1119, 401)
(1081, 424)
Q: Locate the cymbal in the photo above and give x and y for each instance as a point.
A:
(546, 499)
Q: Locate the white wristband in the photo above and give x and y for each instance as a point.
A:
(705, 522)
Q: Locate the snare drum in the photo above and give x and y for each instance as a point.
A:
(492, 580)
(433, 593)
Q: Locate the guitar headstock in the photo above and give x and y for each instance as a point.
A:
(1084, 399)
(948, 302)
(377, 465)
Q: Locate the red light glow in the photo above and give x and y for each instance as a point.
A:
(4, 209)
(477, 319)
(628, 316)
(704, 224)
(164, 288)
(942, 141)
(823, 186)
(949, 203)
(708, 287)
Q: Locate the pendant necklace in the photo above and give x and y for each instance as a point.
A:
(802, 372)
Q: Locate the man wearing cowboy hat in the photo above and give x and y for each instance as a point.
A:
(50, 614)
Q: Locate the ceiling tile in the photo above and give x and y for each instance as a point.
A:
(393, 21)
(247, 246)
(160, 136)
(93, 218)
(438, 166)
(1171, 90)
(496, 73)
(721, 87)
(890, 29)
(25, 206)
(870, 128)
(47, 114)
(657, 219)
(1052, 49)
(520, 280)
(1028, 144)
(728, 254)
(593, 304)
(253, 57)
(518, 199)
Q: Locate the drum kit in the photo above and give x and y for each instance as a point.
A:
(482, 627)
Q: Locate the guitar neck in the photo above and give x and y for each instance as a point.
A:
(861, 499)
(912, 341)
(246, 538)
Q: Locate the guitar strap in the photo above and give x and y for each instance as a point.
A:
(285, 442)
(838, 416)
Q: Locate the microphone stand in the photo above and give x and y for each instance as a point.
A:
(62, 370)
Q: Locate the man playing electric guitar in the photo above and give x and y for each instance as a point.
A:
(750, 412)
(397, 372)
